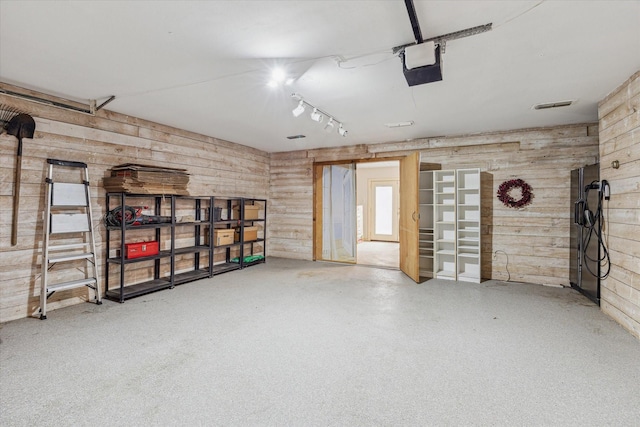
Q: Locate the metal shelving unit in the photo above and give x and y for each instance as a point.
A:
(255, 247)
(199, 245)
(162, 279)
(187, 247)
(222, 219)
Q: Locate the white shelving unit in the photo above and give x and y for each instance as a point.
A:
(468, 245)
(445, 224)
(426, 223)
(457, 245)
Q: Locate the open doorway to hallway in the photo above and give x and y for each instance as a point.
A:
(377, 200)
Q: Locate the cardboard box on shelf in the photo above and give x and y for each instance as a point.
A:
(250, 234)
(250, 212)
(223, 236)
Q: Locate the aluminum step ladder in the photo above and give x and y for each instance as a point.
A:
(68, 230)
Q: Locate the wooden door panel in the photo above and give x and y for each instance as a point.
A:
(409, 216)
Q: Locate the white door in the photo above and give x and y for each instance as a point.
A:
(383, 210)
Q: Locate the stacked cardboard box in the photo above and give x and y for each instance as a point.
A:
(250, 212)
(141, 179)
(250, 234)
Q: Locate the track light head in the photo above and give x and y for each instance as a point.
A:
(329, 126)
(342, 131)
(316, 116)
(299, 109)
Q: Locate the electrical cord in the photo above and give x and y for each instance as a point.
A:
(594, 229)
(507, 265)
(114, 216)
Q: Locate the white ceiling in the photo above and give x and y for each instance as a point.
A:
(203, 65)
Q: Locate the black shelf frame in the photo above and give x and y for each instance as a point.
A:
(131, 291)
(203, 222)
(227, 205)
(250, 222)
(118, 260)
(158, 282)
(203, 226)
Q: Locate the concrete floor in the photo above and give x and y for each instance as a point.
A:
(303, 344)
(379, 254)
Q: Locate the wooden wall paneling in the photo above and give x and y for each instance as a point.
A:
(619, 116)
(290, 219)
(543, 157)
(339, 153)
(620, 95)
(624, 111)
(217, 168)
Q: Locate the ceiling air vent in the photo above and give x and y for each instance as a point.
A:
(399, 124)
(552, 105)
(296, 136)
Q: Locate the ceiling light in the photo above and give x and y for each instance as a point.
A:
(279, 77)
(399, 124)
(299, 109)
(342, 131)
(316, 116)
(329, 126)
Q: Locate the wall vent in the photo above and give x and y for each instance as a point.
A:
(552, 105)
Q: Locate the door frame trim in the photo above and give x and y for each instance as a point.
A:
(317, 197)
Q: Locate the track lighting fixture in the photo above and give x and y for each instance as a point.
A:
(329, 126)
(317, 115)
(299, 109)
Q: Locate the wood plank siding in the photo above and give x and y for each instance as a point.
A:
(619, 115)
(535, 239)
(107, 139)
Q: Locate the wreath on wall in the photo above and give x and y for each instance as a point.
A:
(504, 193)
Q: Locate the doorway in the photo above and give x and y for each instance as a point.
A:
(378, 201)
(356, 213)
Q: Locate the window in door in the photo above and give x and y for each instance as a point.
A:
(383, 199)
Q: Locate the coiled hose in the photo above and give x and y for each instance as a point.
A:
(114, 217)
